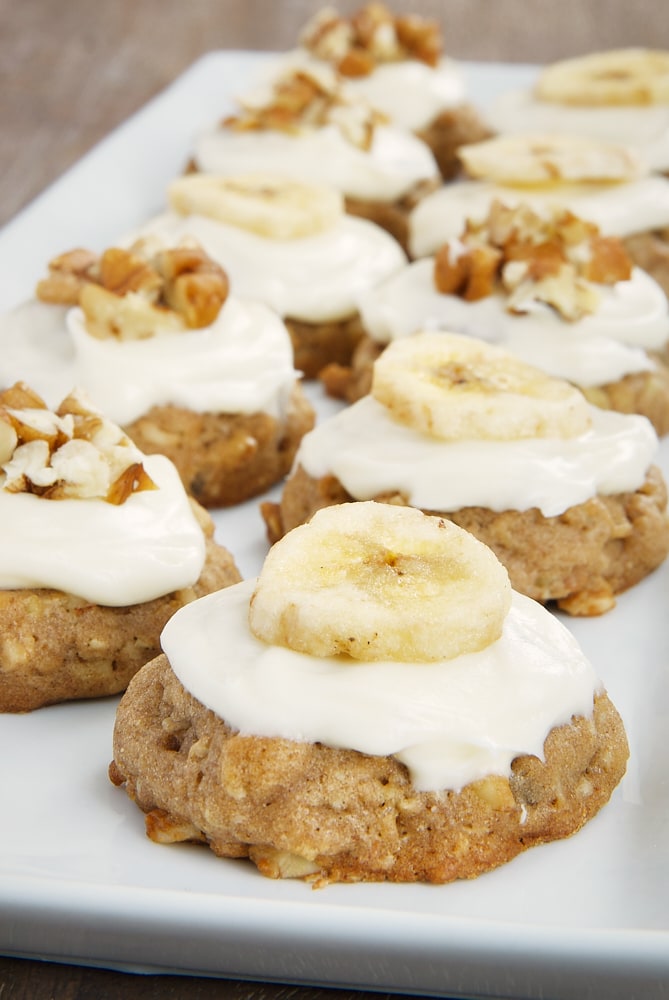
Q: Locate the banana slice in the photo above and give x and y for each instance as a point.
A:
(379, 582)
(277, 207)
(633, 76)
(548, 159)
(456, 388)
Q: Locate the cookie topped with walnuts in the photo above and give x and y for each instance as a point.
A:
(553, 257)
(137, 292)
(153, 333)
(73, 452)
(100, 545)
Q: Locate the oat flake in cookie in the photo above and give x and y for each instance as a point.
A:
(100, 546)
(370, 717)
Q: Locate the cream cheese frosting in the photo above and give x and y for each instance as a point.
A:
(314, 278)
(619, 209)
(372, 453)
(632, 317)
(449, 722)
(408, 91)
(394, 164)
(643, 127)
(242, 363)
(114, 555)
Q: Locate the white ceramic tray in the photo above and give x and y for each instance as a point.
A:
(79, 881)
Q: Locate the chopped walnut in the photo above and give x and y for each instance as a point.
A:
(73, 452)
(68, 273)
(133, 294)
(304, 99)
(557, 259)
(372, 35)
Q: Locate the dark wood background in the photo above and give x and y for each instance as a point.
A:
(71, 70)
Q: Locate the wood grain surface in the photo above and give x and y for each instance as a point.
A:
(72, 70)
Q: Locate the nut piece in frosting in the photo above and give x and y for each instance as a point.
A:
(371, 36)
(308, 98)
(555, 258)
(72, 453)
(87, 587)
(135, 293)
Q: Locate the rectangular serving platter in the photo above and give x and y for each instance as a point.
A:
(80, 882)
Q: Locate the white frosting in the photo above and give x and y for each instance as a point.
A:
(450, 722)
(312, 278)
(370, 453)
(114, 555)
(34, 348)
(409, 92)
(618, 209)
(390, 169)
(643, 127)
(632, 317)
(242, 363)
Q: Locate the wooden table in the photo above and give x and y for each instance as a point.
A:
(71, 71)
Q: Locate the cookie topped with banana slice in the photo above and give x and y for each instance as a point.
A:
(165, 348)
(604, 183)
(463, 428)
(311, 127)
(288, 244)
(386, 708)
(618, 95)
(548, 286)
(396, 62)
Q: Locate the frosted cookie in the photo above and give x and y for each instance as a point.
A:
(289, 245)
(100, 546)
(549, 288)
(397, 64)
(620, 95)
(162, 348)
(564, 493)
(308, 126)
(601, 182)
(397, 713)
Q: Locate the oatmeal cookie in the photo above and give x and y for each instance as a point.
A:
(393, 216)
(318, 345)
(312, 811)
(650, 251)
(58, 647)
(451, 129)
(225, 458)
(579, 558)
(646, 393)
